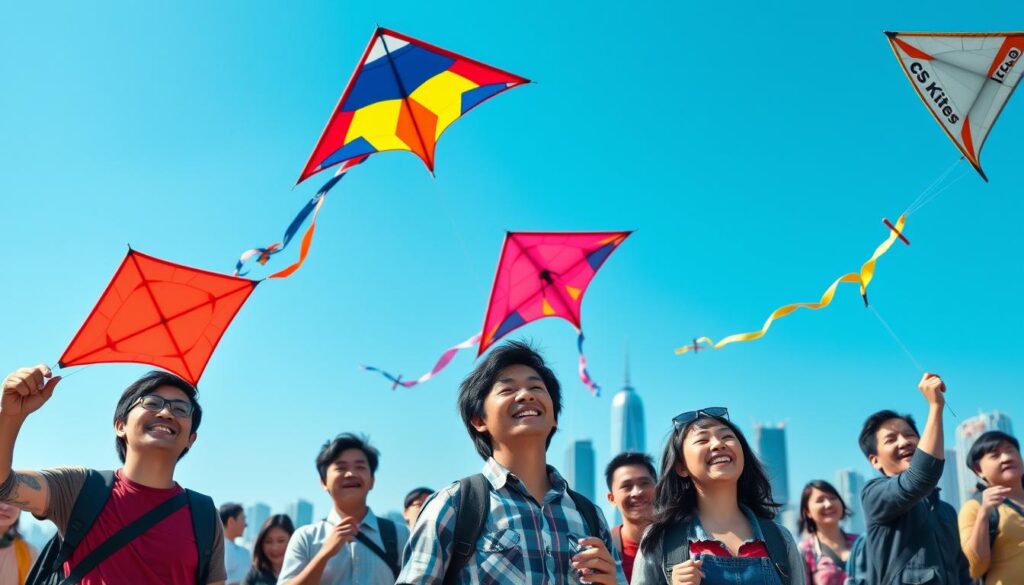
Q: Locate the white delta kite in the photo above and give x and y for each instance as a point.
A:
(965, 80)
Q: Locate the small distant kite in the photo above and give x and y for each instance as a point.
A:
(964, 79)
(539, 274)
(403, 95)
(158, 313)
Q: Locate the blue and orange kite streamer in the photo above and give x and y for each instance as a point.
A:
(402, 96)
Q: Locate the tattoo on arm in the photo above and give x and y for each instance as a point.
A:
(10, 489)
(28, 481)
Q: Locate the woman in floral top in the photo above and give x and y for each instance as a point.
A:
(826, 547)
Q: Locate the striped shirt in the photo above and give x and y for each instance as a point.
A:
(522, 543)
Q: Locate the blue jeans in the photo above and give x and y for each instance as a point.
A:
(739, 571)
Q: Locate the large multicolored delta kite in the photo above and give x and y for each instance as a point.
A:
(158, 313)
(964, 79)
(540, 274)
(862, 278)
(402, 96)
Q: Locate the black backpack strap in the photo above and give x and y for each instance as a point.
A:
(388, 554)
(675, 545)
(776, 545)
(124, 536)
(470, 520)
(204, 516)
(88, 504)
(586, 509)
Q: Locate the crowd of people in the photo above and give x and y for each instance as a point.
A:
(708, 517)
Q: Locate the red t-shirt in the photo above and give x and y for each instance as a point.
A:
(755, 548)
(165, 554)
(629, 549)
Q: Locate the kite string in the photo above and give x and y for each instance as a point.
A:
(935, 194)
(454, 226)
(916, 204)
(906, 351)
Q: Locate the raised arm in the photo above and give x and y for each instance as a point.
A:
(24, 391)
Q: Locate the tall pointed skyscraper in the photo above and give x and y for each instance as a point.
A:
(627, 419)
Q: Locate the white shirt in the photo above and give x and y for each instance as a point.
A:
(355, 564)
(237, 561)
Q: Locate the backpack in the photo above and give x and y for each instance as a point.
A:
(49, 566)
(389, 536)
(471, 517)
(676, 546)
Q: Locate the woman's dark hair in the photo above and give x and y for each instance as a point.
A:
(806, 522)
(675, 498)
(259, 558)
(474, 389)
(988, 442)
(145, 386)
(868, 441)
(338, 445)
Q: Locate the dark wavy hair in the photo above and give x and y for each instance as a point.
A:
(675, 498)
(260, 560)
(806, 522)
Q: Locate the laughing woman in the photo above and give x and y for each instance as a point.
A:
(826, 547)
(714, 510)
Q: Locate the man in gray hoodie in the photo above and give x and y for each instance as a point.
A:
(912, 536)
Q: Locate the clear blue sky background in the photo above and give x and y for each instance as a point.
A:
(754, 147)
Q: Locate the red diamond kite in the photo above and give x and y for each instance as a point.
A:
(158, 313)
(539, 275)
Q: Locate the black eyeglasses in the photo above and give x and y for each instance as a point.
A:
(681, 420)
(156, 403)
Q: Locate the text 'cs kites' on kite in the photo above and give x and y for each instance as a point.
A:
(159, 313)
(403, 95)
(964, 79)
(539, 274)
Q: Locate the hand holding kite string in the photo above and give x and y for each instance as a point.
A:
(26, 390)
(540, 274)
(863, 278)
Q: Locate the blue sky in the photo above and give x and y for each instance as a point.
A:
(754, 147)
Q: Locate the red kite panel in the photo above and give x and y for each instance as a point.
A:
(158, 313)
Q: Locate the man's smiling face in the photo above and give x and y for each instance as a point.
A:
(348, 478)
(896, 442)
(145, 430)
(517, 406)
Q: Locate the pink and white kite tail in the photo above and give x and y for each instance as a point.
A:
(442, 362)
(589, 382)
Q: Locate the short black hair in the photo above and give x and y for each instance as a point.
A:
(629, 458)
(338, 445)
(415, 494)
(145, 386)
(477, 385)
(806, 522)
(229, 510)
(868, 440)
(987, 443)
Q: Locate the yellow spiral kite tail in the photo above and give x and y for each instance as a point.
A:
(867, 272)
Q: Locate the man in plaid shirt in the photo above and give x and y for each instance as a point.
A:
(534, 532)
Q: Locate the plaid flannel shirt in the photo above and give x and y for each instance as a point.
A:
(522, 543)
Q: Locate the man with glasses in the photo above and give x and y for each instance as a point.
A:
(145, 528)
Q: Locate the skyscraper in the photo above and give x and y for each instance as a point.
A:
(301, 512)
(255, 516)
(949, 485)
(967, 433)
(580, 467)
(849, 484)
(770, 444)
(627, 419)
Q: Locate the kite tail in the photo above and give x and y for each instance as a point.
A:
(442, 362)
(589, 382)
(312, 207)
(863, 278)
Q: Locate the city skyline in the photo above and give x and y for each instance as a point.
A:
(849, 483)
(301, 512)
(628, 428)
(967, 432)
(581, 468)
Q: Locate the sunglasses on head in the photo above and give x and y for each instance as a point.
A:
(681, 420)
